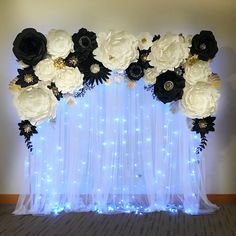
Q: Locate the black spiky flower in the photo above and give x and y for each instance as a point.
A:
(56, 92)
(26, 77)
(143, 61)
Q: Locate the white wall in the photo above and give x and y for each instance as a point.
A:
(135, 16)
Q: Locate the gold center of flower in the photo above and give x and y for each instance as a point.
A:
(55, 91)
(28, 78)
(94, 68)
(202, 124)
(27, 128)
(202, 46)
(73, 61)
(168, 85)
(144, 40)
(59, 63)
(144, 57)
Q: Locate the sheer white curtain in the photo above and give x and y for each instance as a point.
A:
(115, 150)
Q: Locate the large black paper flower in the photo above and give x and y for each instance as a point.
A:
(169, 87)
(30, 46)
(84, 41)
(203, 126)
(56, 92)
(94, 71)
(135, 71)
(204, 45)
(26, 77)
(143, 61)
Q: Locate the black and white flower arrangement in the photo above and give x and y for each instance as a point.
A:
(176, 68)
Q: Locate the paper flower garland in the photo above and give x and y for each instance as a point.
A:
(176, 68)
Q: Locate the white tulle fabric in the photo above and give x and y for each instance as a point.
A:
(116, 150)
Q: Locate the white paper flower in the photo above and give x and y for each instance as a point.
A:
(45, 70)
(69, 79)
(116, 49)
(150, 76)
(145, 41)
(35, 103)
(169, 52)
(199, 101)
(197, 72)
(59, 43)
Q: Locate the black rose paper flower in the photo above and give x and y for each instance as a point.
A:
(135, 71)
(30, 46)
(169, 87)
(143, 54)
(26, 77)
(94, 71)
(27, 130)
(204, 45)
(56, 92)
(84, 41)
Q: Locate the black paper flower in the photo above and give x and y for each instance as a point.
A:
(204, 45)
(84, 41)
(94, 71)
(75, 58)
(26, 77)
(143, 61)
(203, 126)
(56, 92)
(135, 71)
(169, 87)
(156, 37)
(30, 46)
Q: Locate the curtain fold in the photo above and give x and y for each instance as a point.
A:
(114, 150)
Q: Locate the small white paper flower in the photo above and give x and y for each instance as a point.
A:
(169, 52)
(197, 72)
(199, 101)
(150, 76)
(35, 103)
(59, 43)
(69, 79)
(116, 49)
(145, 41)
(45, 70)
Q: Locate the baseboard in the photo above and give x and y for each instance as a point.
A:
(214, 198)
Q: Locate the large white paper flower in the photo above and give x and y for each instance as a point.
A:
(197, 72)
(59, 43)
(116, 49)
(145, 41)
(69, 79)
(199, 101)
(35, 103)
(45, 70)
(150, 76)
(169, 52)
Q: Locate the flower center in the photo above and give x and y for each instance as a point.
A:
(28, 78)
(94, 68)
(73, 61)
(59, 63)
(27, 128)
(110, 57)
(202, 124)
(84, 41)
(202, 46)
(144, 57)
(168, 85)
(136, 71)
(144, 40)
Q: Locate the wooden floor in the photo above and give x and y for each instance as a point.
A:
(222, 223)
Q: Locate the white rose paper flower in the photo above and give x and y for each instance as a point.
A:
(46, 70)
(59, 43)
(169, 52)
(69, 79)
(145, 41)
(35, 103)
(197, 72)
(150, 76)
(199, 101)
(116, 49)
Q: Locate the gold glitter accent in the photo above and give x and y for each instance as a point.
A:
(144, 57)
(214, 80)
(73, 61)
(28, 78)
(192, 60)
(59, 63)
(94, 68)
(27, 128)
(130, 84)
(202, 124)
(13, 86)
(168, 85)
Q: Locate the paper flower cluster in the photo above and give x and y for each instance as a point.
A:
(176, 68)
